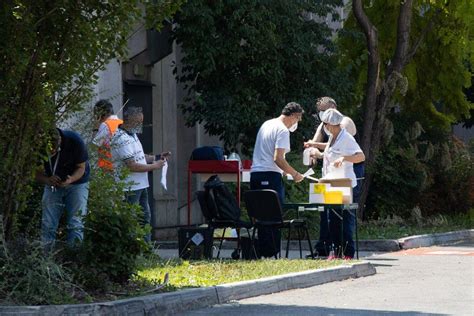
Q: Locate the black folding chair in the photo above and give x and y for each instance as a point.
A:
(214, 220)
(264, 207)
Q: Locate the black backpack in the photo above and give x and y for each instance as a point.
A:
(225, 205)
(208, 153)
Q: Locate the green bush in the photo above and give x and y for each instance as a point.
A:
(113, 237)
(398, 182)
(451, 191)
(421, 167)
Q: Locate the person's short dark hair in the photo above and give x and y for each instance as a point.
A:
(292, 108)
(103, 108)
(131, 111)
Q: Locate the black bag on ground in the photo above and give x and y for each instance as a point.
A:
(208, 153)
(226, 207)
(269, 241)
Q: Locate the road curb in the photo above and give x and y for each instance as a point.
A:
(435, 239)
(180, 301)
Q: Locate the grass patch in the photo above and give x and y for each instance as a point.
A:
(189, 274)
(394, 227)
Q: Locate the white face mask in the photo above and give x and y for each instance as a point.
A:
(293, 127)
(321, 113)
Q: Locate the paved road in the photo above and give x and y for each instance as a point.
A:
(435, 280)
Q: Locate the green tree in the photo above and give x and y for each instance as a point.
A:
(244, 60)
(414, 59)
(50, 54)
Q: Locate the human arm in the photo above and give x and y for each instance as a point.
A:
(76, 175)
(348, 124)
(279, 158)
(163, 156)
(317, 145)
(140, 167)
(356, 158)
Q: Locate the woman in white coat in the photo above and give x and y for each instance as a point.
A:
(341, 152)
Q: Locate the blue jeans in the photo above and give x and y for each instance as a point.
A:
(329, 227)
(347, 247)
(140, 197)
(73, 199)
(268, 180)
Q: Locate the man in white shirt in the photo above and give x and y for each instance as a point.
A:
(271, 146)
(127, 152)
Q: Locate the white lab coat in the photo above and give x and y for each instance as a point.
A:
(345, 145)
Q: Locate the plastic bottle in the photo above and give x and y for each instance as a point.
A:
(307, 157)
(234, 156)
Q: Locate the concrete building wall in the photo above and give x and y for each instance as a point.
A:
(110, 84)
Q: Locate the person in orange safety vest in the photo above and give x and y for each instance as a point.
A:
(109, 122)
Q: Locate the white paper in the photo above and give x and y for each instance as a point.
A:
(197, 239)
(312, 178)
(164, 171)
(308, 173)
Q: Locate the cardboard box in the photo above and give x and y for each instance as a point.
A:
(316, 192)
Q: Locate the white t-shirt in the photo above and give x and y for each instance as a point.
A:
(345, 145)
(127, 147)
(273, 134)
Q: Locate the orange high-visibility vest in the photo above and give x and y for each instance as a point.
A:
(105, 156)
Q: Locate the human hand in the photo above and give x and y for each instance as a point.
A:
(338, 162)
(308, 144)
(316, 154)
(66, 182)
(159, 164)
(165, 155)
(298, 177)
(53, 181)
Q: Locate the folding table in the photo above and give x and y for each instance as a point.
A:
(335, 208)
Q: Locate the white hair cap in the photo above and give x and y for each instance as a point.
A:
(332, 117)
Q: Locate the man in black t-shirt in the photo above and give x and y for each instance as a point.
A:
(66, 178)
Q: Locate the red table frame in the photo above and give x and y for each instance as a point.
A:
(214, 167)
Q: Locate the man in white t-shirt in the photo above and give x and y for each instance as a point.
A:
(127, 152)
(273, 142)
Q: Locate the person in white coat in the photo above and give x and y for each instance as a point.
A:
(340, 153)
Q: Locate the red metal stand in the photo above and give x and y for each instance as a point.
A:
(214, 167)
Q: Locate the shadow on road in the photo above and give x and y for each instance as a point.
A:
(269, 309)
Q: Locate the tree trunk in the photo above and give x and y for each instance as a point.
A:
(378, 94)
